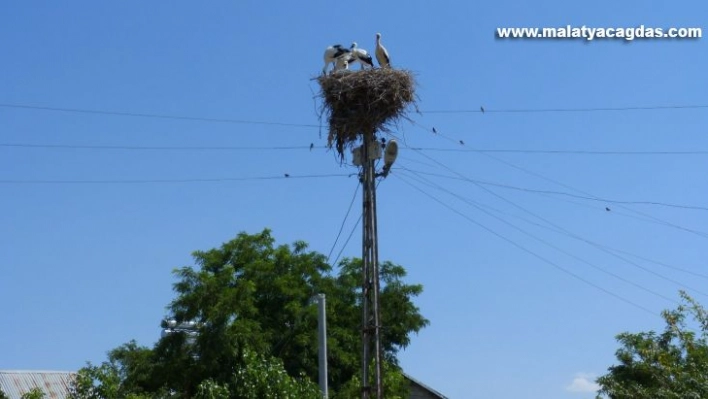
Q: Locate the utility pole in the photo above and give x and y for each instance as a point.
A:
(371, 324)
(322, 339)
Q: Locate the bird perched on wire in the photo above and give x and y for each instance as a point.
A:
(333, 54)
(360, 55)
(382, 54)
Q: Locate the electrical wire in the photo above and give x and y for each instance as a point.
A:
(241, 121)
(346, 216)
(655, 219)
(523, 248)
(548, 110)
(150, 181)
(551, 192)
(361, 215)
(645, 215)
(341, 251)
(563, 152)
(301, 147)
(156, 148)
(570, 234)
(567, 253)
(559, 231)
(155, 116)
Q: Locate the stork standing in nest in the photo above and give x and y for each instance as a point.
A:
(360, 55)
(337, 55)
(382, 54)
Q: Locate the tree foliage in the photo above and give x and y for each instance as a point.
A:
(396, 386)
(257, 326)
(667, 365)
(34, 393)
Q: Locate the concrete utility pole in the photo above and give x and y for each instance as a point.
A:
(366, 156)
(371, 325)
(322, 340)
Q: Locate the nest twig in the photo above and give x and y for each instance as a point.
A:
(364, 102)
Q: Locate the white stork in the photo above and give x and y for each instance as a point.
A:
(333, 54)
(360, 55)
(342, 62)
(381, 53)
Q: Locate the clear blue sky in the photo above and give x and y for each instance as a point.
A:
(87, 267)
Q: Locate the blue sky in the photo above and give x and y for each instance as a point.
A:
(526, 306)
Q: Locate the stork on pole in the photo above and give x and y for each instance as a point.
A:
(367, 155)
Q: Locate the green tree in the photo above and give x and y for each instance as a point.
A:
(666, 365)
(249, 298)
(264, 377)
(34, 393)
(104, 382)
(395, 384)
(255, 377)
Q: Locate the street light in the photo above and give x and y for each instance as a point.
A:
(322, 342)
(390, 155)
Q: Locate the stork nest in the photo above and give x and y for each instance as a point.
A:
(363, 102)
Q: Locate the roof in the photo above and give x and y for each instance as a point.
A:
(55, 384)
(425, 387)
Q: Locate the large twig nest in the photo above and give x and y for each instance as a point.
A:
(363, 102)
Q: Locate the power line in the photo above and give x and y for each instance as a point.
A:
(242, 121)
(546, 110)
(151, 181)
(561, 232)
(157, 116)
(563, 152)
(567, 253)
(534, 254)
(165, 148)
(361, 215)
(348, 239)
(551, 192)
(570, 234)
(303, 147)
(649, 217)
(346, 216)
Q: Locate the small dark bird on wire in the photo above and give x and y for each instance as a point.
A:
(287, 175)
(607, 209)
(462, 142)
(435, 130)
(481, 109)
(312, 145)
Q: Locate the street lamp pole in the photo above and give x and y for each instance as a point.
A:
(322, 340)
